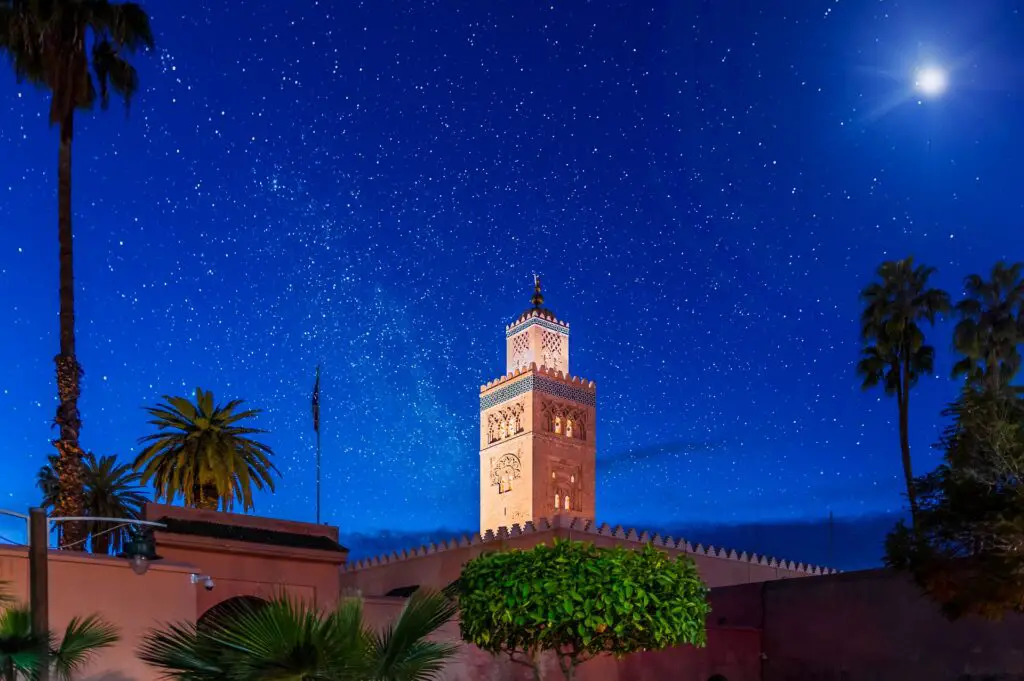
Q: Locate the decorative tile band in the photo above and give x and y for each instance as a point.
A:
(544, 385)
(516, 328)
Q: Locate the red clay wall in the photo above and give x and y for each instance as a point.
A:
(443, 566)
(732, 652)
(244, 569)
(875, 626)
(83, 585)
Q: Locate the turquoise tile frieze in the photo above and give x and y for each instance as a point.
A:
(557, 328)
(545, 385)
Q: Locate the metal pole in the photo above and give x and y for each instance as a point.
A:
(317, 476)
(831, 527)
(39, 585)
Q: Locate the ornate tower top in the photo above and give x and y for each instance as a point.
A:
(538, 297)
(537, 337)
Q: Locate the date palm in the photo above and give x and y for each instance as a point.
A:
(203, 452)
(21, 649)
(112, 490)
(991, 327)
(288, 640)
(47, 43)
(895, 354)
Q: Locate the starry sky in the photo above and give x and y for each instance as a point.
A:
(703, 187)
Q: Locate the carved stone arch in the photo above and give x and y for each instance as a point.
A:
(227, 609)
(505, 422)
(579, 421)
(504, 470)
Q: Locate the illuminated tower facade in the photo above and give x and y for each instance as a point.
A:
(537, 428)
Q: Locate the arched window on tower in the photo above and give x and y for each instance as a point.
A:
(566, 502)
(556, 501)
(558, 424)
(568, 427)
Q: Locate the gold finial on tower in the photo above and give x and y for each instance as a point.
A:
(538, 297)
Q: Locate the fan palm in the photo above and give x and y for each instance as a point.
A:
(202, 453)
(112, 490)
(991, 327)
(46, 42)
(287, 640)
(21, 649)
(895, 354)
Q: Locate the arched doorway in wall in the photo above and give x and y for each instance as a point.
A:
(229, 607)
(718, 677)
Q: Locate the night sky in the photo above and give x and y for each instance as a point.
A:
(703, 188)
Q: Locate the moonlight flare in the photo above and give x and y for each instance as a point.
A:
(931, 81)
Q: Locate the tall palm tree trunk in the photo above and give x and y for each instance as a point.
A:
(207, 497)
(69, 372)
(903, 397)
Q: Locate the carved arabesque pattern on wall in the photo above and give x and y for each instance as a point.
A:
(563, 419)
(505, 422)
(504, 470)
(551, 350)
(520, 344)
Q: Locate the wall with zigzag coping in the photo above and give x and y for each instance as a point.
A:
(437, 565)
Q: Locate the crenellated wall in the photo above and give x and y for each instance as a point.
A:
(553, 374)
(437, 565)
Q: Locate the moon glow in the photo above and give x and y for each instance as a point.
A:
(931, 81)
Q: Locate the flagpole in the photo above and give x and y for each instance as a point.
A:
(317, 476)
(316, 428)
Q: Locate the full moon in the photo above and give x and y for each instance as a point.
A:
(931, 81)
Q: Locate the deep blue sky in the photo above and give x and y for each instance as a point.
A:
(704, 189)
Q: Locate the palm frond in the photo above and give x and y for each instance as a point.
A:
(83, 638)
(286, 638)
(200, 450)
(181, 653)
(401, 651)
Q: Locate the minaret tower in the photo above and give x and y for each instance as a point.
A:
(537, 427)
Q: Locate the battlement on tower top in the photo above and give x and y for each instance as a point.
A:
(537, 316)
(534, 370)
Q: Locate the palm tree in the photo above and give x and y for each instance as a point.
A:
(991, 327)
(112, 490)
(202, 453)
(46, 41)
(20, 647)
(895, 354)
(290, 641)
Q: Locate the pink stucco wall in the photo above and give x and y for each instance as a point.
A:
(731, 651)
(876, 626)
(82, 584)
(439, 568)
(247, 569)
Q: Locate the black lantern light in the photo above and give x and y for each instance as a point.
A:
(140, 549)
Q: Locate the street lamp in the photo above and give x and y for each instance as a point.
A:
(140, 551)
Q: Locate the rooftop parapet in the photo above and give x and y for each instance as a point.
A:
(536, 314)
(553, 374)
(588, 527)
